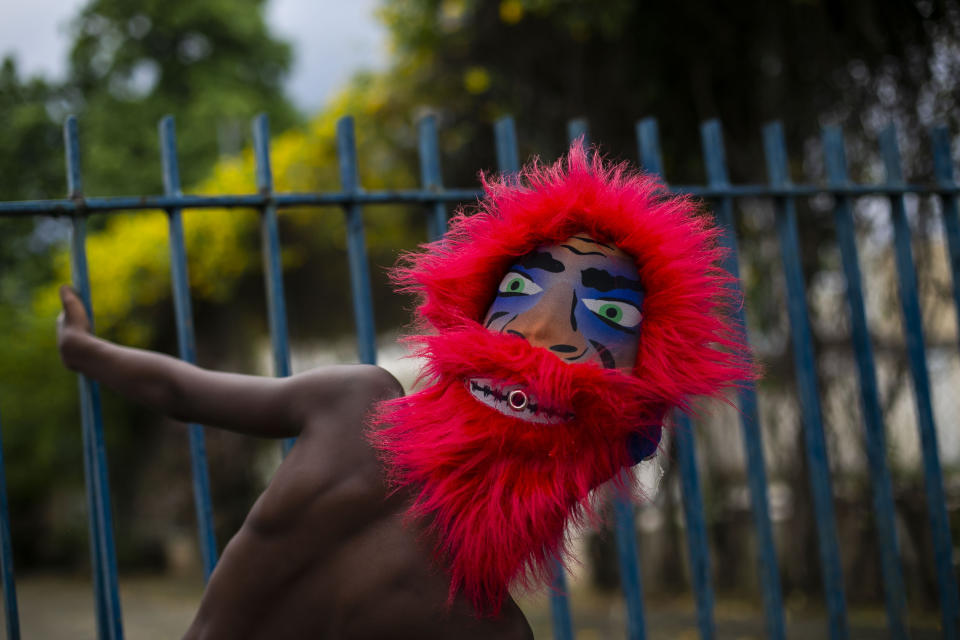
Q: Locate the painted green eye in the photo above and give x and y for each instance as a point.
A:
(618, 312)
(611, 312)
(517, 284)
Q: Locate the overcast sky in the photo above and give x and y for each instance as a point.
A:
(331, 40)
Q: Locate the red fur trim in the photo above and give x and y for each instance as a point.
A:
(688, 344)
(496, 491)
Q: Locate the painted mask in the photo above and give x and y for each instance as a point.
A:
(580, 299)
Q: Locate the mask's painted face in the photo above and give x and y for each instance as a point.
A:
(580, 299)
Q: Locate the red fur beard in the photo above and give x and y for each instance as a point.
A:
(497, 492)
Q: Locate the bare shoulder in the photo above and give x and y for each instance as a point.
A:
(331, 473)
(366, 379)
(515, 624)
(340, 391)
(375, 381)
(337, 403)
(464, 623)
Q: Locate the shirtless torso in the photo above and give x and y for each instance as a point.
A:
(325, 552)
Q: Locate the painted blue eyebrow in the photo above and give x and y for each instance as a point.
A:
(542, 260)
(605, 281)
(632, 302)
(518, 269)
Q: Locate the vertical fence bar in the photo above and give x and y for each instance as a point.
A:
(711, 135)
(6, 560)
(186, 342)
(272, 265)
(648, 142)
(430, 175)
(508, 163)
(893, 590)
(102, 550)
(623, 512)
(578, 127)
(943, 168)
(913, 326)
(631, 579)
(816, 449)
(356, 243)
(505, 136)
(697, 547)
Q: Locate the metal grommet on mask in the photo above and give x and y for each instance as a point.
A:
(517, 400)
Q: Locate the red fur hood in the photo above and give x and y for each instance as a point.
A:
(688, 345)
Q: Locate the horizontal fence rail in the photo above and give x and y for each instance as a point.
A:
(89, 205)
(435, 200)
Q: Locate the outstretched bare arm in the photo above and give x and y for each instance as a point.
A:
(270, 407)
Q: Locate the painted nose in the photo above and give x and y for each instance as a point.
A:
(548, 324)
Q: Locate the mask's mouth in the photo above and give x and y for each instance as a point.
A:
(512, 400)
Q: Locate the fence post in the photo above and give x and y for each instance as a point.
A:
(430, 175)
(270, 248)
(508, 163)
(6, 560)
(836, 164)
(816, 449)
(102, 550)
(505, 137)
(697, 547)
(711, 136)
(625, 531)
(356, 242)
(913, 322)
(577, 128)
(943, 168)
(187, 343)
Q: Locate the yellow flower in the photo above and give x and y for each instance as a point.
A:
(476, 80)
(511, 11)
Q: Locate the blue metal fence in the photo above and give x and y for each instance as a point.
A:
(187, 343)
(6, 561)
(869, 396)
(435, 200)
(697, 549)
(102, 550)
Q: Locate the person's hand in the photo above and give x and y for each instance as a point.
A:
(73, 326)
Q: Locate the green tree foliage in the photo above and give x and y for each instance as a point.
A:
(684, 62)
(212, 64)
(30, 168)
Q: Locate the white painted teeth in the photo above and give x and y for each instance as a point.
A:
(513, 401)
